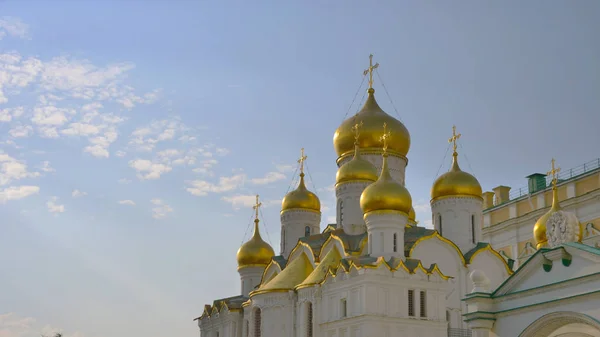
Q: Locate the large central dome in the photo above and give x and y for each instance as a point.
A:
(372, 117)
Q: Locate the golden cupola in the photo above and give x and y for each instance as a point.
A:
(386, 194)
(455, 182)
(301, 197)
(372, 117)
(255, 252)
(358, 168)
(570, 227)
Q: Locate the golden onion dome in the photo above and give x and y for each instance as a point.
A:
(357, 169)
(255, 252)
(372, 117)
(455, 182)
(301, 198)
(570, 220)
(385, 194)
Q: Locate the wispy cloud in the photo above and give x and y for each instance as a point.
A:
(14, 27)
(127, 202)
(160, 209)
(270, 177)
(225, 184)
(247, 200)
(54, 207)
(17, 192)
(78, 194)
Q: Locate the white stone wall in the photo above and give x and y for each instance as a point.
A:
(349, 213)
(396, 165)
(250, 277)
(459, 216)
(223, 324)
(293, 225)
(382, 228)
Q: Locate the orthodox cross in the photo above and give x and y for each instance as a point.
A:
(454, 138)
(554, 173)
(356, 130)
(301, 160)
(256, 206)
(385, 137)
(370, 70)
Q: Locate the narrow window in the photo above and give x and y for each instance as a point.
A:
(448, 318)
(257, 321)
(217, 334)
(283, 239)
(411, 303)
(307, 231)
(341, 212)
(247, 328)
(381, 243)
(370, 243)
(473, 228)
(309, 320)
(440, 223)
(395, 242)
(343, 308)
(423, 308)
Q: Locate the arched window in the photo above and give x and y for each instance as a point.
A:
(395, 242)
(307, 231)
(473, 228)
(283, 239)
(309, 320)
(257, 321)
(440, 223)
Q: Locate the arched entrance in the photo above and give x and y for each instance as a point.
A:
(563, 324)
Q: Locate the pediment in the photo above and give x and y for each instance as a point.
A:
(551, 267)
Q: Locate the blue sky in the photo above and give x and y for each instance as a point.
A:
(134, 133)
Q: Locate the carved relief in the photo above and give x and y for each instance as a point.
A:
(562, 227)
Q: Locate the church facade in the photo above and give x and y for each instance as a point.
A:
(376, 272)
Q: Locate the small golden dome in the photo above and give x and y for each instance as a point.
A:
(455, 182)
(385, 194)
(372, 117)
(301, 198)
(255, 252)
(357, 169)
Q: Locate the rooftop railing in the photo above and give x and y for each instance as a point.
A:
(563, 175)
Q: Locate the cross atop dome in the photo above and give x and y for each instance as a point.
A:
(454, 138)
(256, 207)
(554, 173)
(385, 138)
(370, 70)
(302, 160)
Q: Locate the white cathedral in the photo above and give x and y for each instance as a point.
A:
(377, 273)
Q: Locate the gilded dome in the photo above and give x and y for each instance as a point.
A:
(372, 117)
(301, 198)
(255, 252)
(570, 227)
(455, 182)
(357, 169)
(385, 194)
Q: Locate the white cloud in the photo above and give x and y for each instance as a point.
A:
(247, 201)
(16, 73)
(222, 151)
(160, 209)
(120, 153)
(53, 207)
(148, 170)
(16, 193)
(127, 202)
(270, 177)
(13, 27)
(145, 138)
(8, 114)
(45, 167)
(21, 131)
(78, 194)
(124, 181)
(225, 184)
(13, 325)
(12, 169)
(50, 115)
(285, 168)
